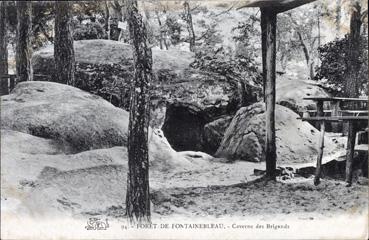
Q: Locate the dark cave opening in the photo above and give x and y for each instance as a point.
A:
(184, 128)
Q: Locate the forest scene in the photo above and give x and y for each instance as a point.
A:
(137, 112)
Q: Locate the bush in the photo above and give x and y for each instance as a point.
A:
(212, 56)
(238, 69)
(334, 61)
(174, 29)
(92, 30)
(106, 81)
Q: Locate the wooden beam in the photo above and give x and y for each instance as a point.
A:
(268, 32)
(277, 5)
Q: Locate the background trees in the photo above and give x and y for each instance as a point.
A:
(188, 18)
(63, 47)
(3, 48)
(344, 61)
(23, 46)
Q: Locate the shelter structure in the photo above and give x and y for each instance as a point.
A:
(269, 10)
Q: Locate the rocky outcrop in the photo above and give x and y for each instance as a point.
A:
(71, 116)
(245, 137)
(104, 67)
(214, 133)
(291, 92)
(65, 149)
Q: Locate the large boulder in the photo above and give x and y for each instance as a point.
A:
(293, 86)
(77, 119)
(245, 137)
(214, 133)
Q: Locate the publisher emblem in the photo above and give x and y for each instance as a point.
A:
(97, 224)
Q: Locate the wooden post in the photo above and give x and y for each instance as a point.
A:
(350, 151)
(320, 113)
(12, 82)
(268, 30)
(336, 108)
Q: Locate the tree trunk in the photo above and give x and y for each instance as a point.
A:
(191, 32)
(338, 18)
(160, 30)
(309, 63)
(138, 196)
(24, 48)
(268, 29)
(353, 81)
(63, 47)
(107, 18)
(3, 49)
(116, 17)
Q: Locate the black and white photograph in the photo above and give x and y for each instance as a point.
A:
(197, 119)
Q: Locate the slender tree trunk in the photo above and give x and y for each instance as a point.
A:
(138, 196)
(309, 63)
(338, 18)
(107, 18)
(353, 81)
(116, 16)
(3, 49)
(24, 48)
(63, 47)
(268, 29)
(160, 29)
(191, 32)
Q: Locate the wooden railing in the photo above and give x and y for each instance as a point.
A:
(352, 116)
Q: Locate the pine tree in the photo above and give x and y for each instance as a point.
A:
(352, 82)
(3, 49)
(188, 19)
(24, 48)
(63, 48)
(138, 196)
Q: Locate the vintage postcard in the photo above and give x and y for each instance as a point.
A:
(214, 119)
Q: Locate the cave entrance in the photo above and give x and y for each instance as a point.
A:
(184, 128)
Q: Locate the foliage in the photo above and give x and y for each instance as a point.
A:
(42, 14)
(174, 29)
(226, 64)
(92, 30)
(334, 61)
(245, 30)
(244, 37)
(298, 35)
(211, 56)
(105, 80)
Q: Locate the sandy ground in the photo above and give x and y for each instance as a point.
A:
(92, 183)
(264, 200)
(51, 193)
